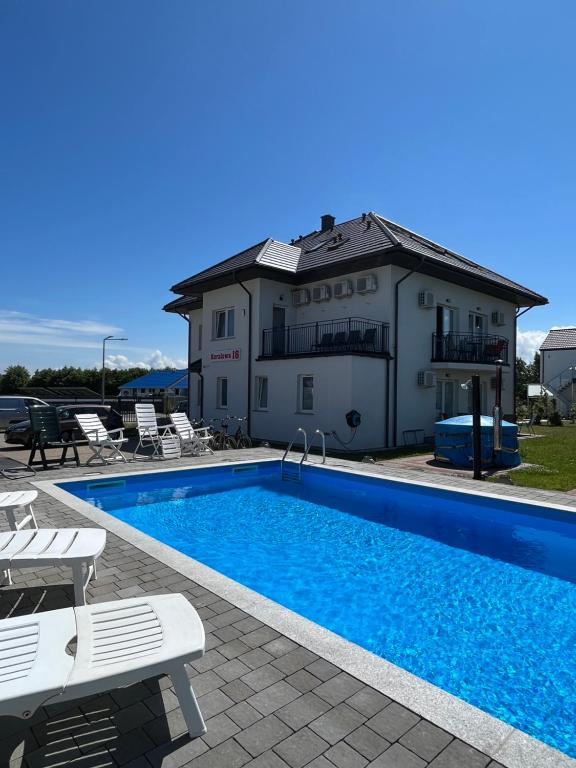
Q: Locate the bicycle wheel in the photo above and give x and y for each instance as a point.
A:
(244, 441)
(229, 443)
(217, 443)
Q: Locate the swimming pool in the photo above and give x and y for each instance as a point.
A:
(474, 594)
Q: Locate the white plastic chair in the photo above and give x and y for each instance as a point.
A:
(149, 433)
(118, 643)
(99, 439)
(76, 548)
(193, 441)
(12, 501)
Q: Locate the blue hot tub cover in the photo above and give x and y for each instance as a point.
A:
(453, 441)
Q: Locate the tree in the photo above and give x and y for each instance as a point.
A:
(523, 378)
(15, 377)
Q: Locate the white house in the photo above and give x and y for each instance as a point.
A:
(558, 366)
(363, 316)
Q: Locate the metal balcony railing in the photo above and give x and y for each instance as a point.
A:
(351, 335)
(469, 348)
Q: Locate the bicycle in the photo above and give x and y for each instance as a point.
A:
(242, 440)
(221, 440)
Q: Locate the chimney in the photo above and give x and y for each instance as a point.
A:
(327, 222)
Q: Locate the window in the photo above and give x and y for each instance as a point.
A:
(222, 393)
(261, 393)
(306, 394)
(200, 337)
(224, 323)
(476, 323)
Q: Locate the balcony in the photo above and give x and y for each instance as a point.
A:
(469, 348)
(348, 336)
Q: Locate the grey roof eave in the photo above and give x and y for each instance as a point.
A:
(398, 255)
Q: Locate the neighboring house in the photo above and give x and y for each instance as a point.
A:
(362, 315)
(157, 384)
(558, 366)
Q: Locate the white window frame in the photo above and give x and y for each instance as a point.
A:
(229, 329)
(301, 378)
(220, 389)
(259, 389)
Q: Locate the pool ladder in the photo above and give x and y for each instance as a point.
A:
(292, 470)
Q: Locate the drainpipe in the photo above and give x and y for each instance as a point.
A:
(387, 405)
(201, 377)
(188, 372)
(249, 396)
(396, 313)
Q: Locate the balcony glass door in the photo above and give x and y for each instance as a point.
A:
(476, 324)
(279, 331)
(445, 325)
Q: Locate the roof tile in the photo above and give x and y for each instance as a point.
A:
(560, 338)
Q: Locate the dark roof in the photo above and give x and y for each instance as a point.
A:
(184, 304)
(560, 338)
(156, 380)
(367, 236)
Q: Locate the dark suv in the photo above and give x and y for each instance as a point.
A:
(21, 434)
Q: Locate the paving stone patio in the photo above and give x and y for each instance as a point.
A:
(268, 702)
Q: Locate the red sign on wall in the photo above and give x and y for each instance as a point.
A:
(228, 354)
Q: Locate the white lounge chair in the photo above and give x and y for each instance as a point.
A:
(12, 501)
(76, 548)
(149, 433)
(193, 441)
(99, 439)
(118, 643)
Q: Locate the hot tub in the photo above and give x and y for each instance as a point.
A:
(453, 442)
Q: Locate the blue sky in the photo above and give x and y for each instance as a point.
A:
(142, 141)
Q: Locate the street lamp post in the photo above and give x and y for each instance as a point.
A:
(104, 340)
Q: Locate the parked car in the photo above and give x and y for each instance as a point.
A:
(21, 434)
(14, 408)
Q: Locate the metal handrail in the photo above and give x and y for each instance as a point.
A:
(307, 451)
(291, 443)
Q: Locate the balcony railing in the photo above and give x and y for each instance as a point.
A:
(351, 335)
(469, 348)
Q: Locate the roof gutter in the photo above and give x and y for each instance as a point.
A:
(249, 383)
(396, 335)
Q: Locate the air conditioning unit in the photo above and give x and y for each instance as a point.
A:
(367, 284)
(321, 293)
(343, 288)
(498, 318)
(426, 379)
(426, 299)
(300, 297)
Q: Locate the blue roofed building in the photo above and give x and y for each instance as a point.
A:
(157, 384)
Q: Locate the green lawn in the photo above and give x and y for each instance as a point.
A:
(555, 455)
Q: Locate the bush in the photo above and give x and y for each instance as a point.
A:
(555, 419)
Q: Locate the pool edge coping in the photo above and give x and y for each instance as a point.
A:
(500, 741)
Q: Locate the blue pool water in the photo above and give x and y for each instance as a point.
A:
(476, 595)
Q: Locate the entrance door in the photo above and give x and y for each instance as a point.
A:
(279, 331)
(445, 399)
